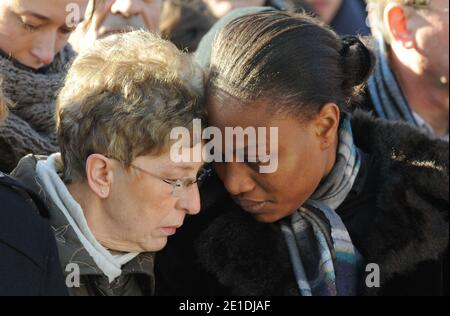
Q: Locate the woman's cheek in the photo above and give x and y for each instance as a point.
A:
(13, 41)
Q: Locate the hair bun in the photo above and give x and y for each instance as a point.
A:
(358, 61)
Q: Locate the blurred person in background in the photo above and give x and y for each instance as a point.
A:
(220, 8)
(411, 79)
(185, 22)
(346, 17)
(106, 17)
(33, 59)
(203, 52)
(113, 193)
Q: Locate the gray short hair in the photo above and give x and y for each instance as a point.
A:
(123, 97)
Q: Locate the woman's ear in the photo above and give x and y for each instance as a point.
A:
(397, 23)
(99, 175)
(327, 125)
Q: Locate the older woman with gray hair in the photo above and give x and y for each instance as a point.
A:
(114, 193)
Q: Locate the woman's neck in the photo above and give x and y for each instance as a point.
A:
(102, 226)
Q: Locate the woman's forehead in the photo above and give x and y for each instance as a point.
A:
(164, 162)
(240, 113)
(55, 11)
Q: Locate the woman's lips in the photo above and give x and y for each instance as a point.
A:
(253, 207)
(169, 231)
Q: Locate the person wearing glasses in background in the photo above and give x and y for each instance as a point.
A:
(410, 82)
(114, 194)
(346, 17)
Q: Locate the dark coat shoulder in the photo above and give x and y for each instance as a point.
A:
(29, 262)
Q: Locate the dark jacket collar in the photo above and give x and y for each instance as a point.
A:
(409, 177)
(412, 194)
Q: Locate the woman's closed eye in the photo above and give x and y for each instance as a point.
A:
(201, 176)
(181, 183)
(66, 30)
(29, 26)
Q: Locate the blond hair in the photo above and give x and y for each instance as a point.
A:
(376, 13)
(3, 105)
(123, 97)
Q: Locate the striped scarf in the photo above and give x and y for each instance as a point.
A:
(385, 92)
(323, 257)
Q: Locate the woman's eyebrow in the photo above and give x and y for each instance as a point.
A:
(36, 15)
(188, 168)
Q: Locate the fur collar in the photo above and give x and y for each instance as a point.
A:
(410, 225)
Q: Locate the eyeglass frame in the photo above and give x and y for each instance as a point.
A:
(178, 185)
(175, 183)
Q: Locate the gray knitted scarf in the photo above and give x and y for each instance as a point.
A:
(30, 126)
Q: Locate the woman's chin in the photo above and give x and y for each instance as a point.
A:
(271, 217)
(268, 218)
(28, 64)
(154, 246)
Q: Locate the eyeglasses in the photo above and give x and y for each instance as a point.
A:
(178, 185)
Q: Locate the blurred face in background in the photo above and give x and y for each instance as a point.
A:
(430, 31)
(326, 9)
(220, 8)
(106, 17)
(33, 32)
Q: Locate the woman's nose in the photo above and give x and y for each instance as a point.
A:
(44, 50)
(189, 202)
(235, 178)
